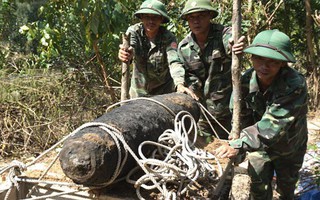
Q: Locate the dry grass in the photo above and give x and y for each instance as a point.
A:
(36, 110)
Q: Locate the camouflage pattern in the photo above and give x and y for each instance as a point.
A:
(153, 62)
(208, 72)
(276, 131)
(263, 164)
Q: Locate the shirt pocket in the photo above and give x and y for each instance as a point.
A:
(216, 64)
(160, 63)
(216, 80)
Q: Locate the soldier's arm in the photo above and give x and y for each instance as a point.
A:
(138, 79)
(276, 121)
(177, 70)
(192, 80)
(126, 54)
(230, 45)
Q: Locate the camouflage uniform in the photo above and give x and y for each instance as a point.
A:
(208, 73)
(275, 133)
(152, 62)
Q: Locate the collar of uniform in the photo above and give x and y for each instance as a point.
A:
(211, 32)
(141, 28)
(253, 85)
(192, 39)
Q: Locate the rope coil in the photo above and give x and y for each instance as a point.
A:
(15, 168)
(175, 162)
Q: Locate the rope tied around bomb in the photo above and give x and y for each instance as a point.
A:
(190, 163)
(176, 162)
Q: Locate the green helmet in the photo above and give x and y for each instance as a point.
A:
(154, 7)
(193, 6)
(272, 44)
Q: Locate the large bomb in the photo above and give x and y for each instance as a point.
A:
(90, 156)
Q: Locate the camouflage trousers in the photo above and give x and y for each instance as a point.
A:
(261, 169)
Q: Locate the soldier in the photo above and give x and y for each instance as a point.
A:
(205, 53)
(153, 52)
(274, 117)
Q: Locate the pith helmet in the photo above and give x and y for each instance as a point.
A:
(192, 6)
(272, 44)
(154, 7)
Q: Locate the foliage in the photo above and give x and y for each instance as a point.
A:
(62, 32)
(177, 25)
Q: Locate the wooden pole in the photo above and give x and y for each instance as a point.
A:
(125, 70)
(310, 45)
(236, 70)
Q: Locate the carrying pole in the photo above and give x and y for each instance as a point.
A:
(236, 70)
(125, 70)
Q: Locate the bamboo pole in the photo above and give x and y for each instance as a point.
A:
(125, 70)
(235, 70)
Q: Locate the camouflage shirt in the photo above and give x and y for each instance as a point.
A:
(276, 119)
(208, 72)
(152, 62)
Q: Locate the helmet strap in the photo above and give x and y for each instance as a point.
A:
(271, 47)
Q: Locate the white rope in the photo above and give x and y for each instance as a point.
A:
(58, 143)
(142, 98)
(53, 195)
(176, 160)
(14, 168)
(43, 175)
(46, 182)
(205, 113)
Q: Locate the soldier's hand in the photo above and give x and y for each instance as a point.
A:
(182, 89)
(125, 55)
(225, 151)
(238, 47)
